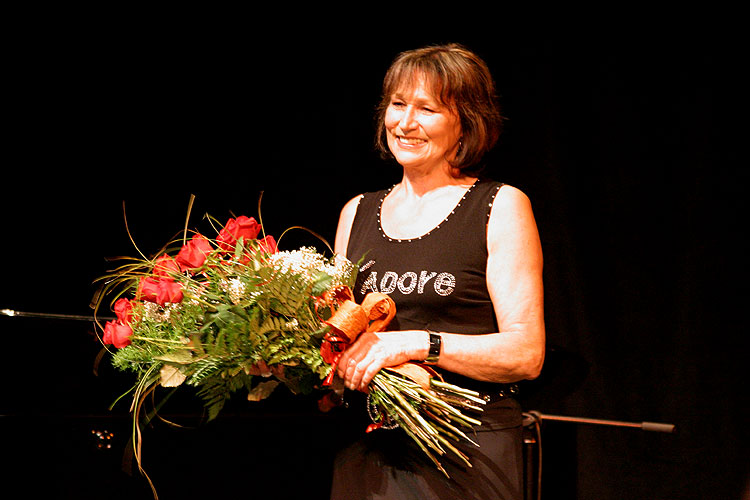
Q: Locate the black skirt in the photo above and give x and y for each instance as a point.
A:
(387, 464)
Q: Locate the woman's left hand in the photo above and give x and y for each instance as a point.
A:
(373, 351)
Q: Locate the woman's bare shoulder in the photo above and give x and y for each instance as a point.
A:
(346, 218)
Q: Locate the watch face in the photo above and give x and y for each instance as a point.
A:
(435, 345)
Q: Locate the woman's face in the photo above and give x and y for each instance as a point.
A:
(421, 132)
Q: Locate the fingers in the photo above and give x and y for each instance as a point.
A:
(359, 364)
(352, 374)
(373, 351)
(358, 374)
(369, 372)
(349, 369)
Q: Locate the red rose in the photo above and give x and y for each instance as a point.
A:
(193, 253)
(161, 290)
(268, 244)
(241, 227)
(124, 311)
(147, 289)
(169, 291)
(117, 334)
(165, 266)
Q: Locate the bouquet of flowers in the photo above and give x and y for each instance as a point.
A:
(216, 313)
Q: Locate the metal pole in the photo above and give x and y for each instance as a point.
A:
(646, 426)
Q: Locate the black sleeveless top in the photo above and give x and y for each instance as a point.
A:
(438, 280)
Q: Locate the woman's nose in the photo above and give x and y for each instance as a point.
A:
(408, 119)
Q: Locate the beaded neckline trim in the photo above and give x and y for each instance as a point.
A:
(406, 240)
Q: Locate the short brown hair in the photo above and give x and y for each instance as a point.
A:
(461, 80)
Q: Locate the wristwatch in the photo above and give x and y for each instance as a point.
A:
(436, 342)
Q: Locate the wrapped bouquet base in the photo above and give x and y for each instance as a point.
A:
(410, 396)
(233, 313)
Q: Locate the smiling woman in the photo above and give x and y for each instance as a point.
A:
(460, 256)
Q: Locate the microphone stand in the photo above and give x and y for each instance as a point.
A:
(646, 426)
(532, 423)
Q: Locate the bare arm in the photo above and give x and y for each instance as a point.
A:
(514, 280)
(344, 227)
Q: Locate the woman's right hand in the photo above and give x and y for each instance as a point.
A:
(375, 350)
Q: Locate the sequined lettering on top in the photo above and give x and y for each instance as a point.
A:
(449, 263)
(443, 284)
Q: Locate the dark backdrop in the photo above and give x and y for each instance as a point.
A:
(624, 140)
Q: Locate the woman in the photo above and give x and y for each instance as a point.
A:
(460, 255)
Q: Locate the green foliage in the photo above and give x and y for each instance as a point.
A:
(238, 310)
(216, 386)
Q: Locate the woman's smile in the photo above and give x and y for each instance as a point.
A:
(410, 141)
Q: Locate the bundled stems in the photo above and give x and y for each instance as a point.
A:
(430, 417)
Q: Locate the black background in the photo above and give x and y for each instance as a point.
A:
(625, 137)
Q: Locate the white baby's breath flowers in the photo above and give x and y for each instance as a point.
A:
(235, 288)
(308, 261)
(293, 324)
(155, 312)
(342, 268)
